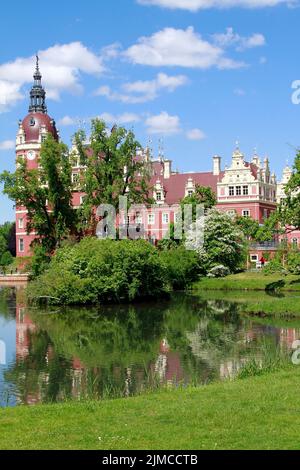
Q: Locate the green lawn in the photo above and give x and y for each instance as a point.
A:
(248, 281)
(256, 413)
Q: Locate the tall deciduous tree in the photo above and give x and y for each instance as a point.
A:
(111, 169)
(289, 210)
(202, 196)
(46, 193)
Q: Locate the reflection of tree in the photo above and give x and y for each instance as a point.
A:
(7, 302)
(121, 350)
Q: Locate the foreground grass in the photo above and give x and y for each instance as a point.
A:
(249, 281)
(256, 413)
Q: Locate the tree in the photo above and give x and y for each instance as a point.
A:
(223, 242)
(111, 169)
(289, 210)
(46, 193)
(256, 232)
(202, 196)
(7, 238)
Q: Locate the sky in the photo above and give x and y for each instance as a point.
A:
(191, 76)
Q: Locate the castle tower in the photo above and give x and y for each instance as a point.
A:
(32, 132)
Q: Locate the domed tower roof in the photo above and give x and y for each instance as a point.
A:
(38, 120)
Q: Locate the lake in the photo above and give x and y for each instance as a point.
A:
(118, 351)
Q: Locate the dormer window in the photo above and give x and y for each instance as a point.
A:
(159, 196)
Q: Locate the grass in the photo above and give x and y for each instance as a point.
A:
(249, 281)
(255, 413)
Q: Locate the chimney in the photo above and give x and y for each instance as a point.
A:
(167, 169)
(217, 165)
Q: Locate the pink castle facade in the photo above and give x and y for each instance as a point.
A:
(247, 189)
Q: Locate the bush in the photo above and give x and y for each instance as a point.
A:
(219, 271)
(182, 267)
(6, 259)
(101, 271)
(273, 267)
(293, 262)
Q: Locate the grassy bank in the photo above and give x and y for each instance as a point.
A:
(285, 307)
(249, 281)
(256, 413)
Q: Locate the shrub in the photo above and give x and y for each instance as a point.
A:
(219, 271)
(182, 267)
(6, 259)
(100, 271)
(293, 262)
(274, 266)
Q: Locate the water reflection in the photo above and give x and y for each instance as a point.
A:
(123, 350)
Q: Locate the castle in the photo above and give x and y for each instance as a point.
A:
(248, 189)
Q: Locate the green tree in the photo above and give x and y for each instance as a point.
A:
(202, 196)
(46, 193)
(289, 210)
(111, 169)
(223, 243)
(6, 259)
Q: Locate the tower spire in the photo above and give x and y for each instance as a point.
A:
(37, 93)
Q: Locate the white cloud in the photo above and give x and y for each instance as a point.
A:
(143, 91)
(195, 5)
(163, 124)
(7, 145)
(10, 94)
(125, 118)
(67, 121)
(178, 47)
(195, 134)
(230, 38)
(61, 66)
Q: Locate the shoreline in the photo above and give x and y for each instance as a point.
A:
(253, 408)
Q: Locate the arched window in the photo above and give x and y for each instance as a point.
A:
(295, 242)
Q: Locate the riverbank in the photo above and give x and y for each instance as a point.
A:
(255, 413)
(243, 288)
(256, 281)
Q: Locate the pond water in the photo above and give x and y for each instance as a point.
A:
(54, 355)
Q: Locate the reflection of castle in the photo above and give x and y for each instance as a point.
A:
(168, 365)
(24, 325)
(40, 366)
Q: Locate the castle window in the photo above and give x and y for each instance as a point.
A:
(138, 218)
(21, 223)
(246, 213)
(295, 242)
(238, 190)
(245, 190)
(231, 190)
(21, 245)
(75, 178)
(190, 192)
(158, 196)
(166, 219)
(151, 219)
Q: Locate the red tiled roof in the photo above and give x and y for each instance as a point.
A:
(175, 186)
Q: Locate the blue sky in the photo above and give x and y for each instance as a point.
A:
(195, 74)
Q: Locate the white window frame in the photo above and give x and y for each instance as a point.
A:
(21, 245)
(166, 218)
(248, 213)
(151, 219)
(21, 223)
